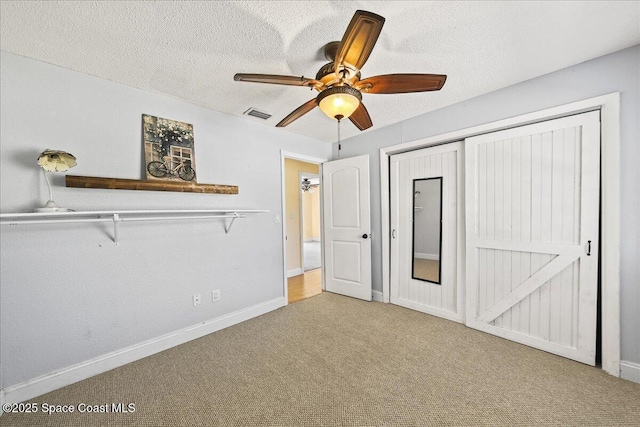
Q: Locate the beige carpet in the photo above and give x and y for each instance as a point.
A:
(427, 269)
(335, 361)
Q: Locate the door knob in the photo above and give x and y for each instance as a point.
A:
(365, 236)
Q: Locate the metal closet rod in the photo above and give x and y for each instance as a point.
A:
(116, 218)
(125, 212)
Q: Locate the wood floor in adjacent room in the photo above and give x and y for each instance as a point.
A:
(305, 285)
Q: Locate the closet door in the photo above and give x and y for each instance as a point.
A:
(532, 212)
(426, 246)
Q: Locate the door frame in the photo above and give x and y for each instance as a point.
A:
(609, 273)
(283, 213)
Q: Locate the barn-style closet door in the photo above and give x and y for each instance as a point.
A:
(532, 212)
(426, 231)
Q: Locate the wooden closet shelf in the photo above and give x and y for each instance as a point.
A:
(77, 181)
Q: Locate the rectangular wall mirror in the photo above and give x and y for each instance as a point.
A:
(427, 229)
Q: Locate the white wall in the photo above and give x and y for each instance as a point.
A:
(617, 72)
(67, 293)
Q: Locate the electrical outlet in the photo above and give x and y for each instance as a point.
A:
(196, 300)
(216, 295)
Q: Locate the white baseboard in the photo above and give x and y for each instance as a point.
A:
(377, 296)
(46, 383)
(445, 314)
(630, 371)
(294, 272)
(434, 257)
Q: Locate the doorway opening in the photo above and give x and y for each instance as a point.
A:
(310, 221)
(302, 227)
(309, 283)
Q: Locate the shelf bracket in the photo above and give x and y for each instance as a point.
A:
(116, 222)
(227, 228)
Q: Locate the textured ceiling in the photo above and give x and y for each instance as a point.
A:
(191, 50)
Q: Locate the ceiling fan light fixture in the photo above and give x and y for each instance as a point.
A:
(339, 81)
(339, 102)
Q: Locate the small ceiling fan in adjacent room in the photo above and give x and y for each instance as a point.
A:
(339, 81)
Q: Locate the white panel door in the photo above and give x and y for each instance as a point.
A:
(347, 229)
(408, 288)
(532, 196)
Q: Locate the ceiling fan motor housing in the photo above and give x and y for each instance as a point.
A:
(327, 75)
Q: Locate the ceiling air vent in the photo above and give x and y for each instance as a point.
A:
(257, 113)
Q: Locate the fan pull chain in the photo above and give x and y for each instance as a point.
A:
(339, 144)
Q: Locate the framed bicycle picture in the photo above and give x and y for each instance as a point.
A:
(168, 149)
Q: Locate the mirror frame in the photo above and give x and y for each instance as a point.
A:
(413, 233)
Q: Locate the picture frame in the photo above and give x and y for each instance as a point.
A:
(168, 149)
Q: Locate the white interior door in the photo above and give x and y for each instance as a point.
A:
(532, 209)
(426, 219)
(347, 229)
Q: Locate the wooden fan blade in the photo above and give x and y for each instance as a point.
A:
(361, 118)
(298, 112)
(276, 79)
(402, 83)
(358, 41)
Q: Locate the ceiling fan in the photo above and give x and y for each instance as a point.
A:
(339, 81)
